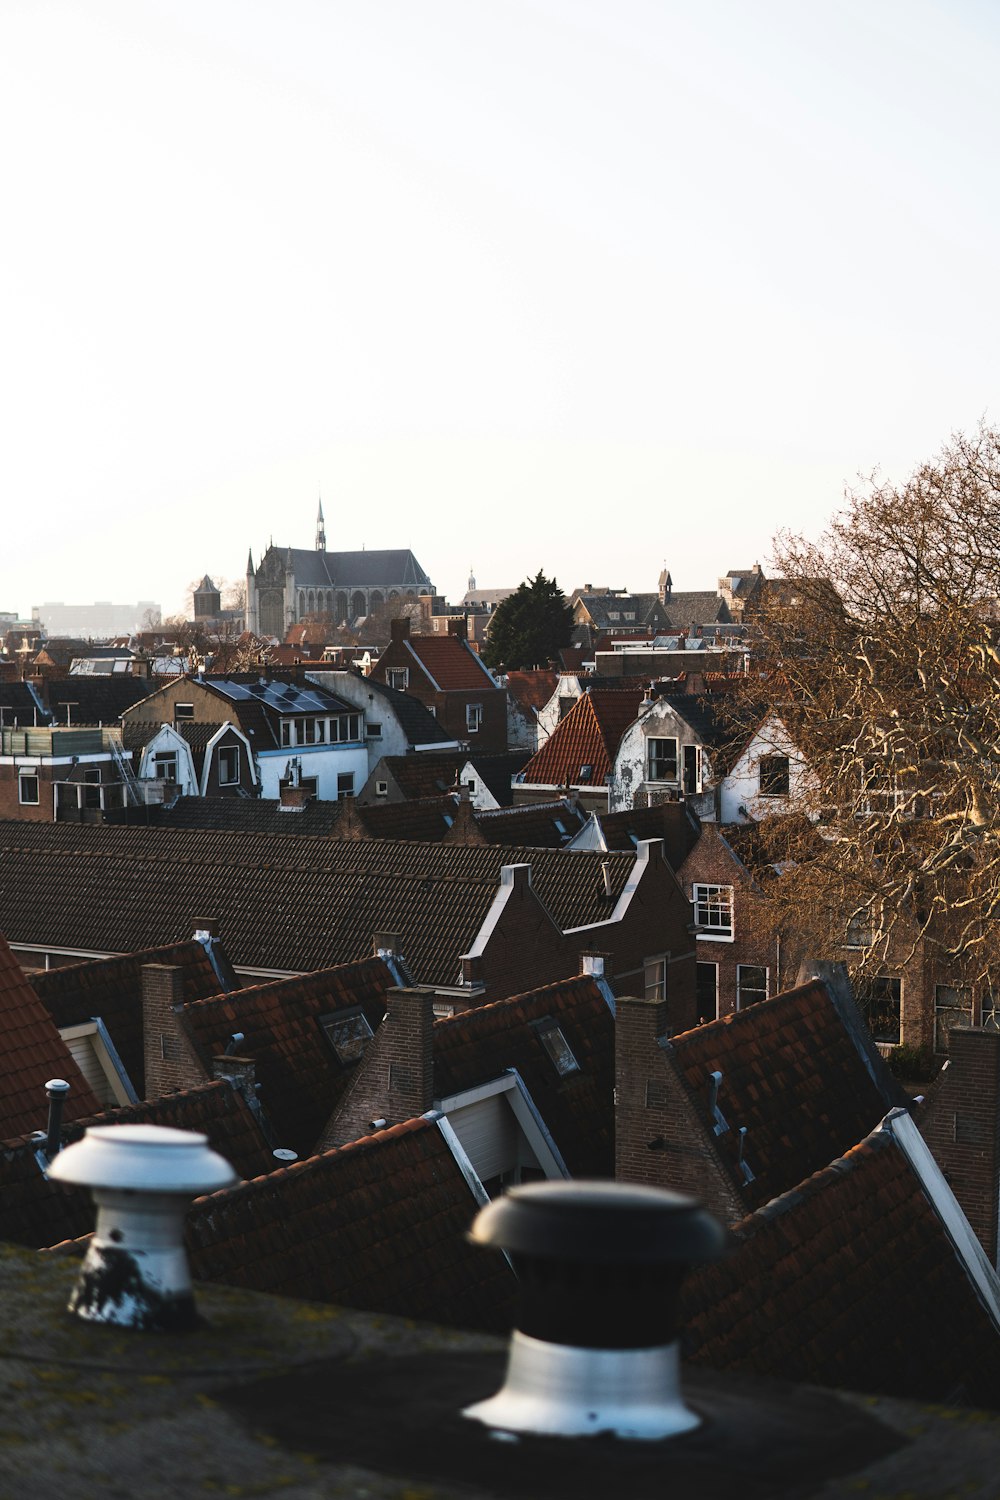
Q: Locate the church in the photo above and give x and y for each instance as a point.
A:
(290, 583)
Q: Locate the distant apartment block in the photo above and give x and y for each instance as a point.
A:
(95, 621)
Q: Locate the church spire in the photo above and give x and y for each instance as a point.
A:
(320, 529)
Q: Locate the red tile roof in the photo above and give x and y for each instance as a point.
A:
(451, 664)
(849, 1280)
(799, 1071)
(32, 1052)
(532, 690)
(300, 1076)
(588, 736)
(378, 1224)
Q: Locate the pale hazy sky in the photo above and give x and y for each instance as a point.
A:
(529, 283)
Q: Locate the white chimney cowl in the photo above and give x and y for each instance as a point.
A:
(142, 1177)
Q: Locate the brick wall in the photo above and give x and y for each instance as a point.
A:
(170, 1060)
(661, 1140)
(962, 1128)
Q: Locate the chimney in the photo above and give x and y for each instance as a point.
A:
(170, 1059)
(406, 1047)
(399, 630)
(595, 1347)
(135, 1273)
(292, 799)
(56, 1091)
(350, 825)
(458, 626)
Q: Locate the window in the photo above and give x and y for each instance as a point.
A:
(952, 1007)
(381, 789)
(707, 992)
(287, 734)
(656, 977)
(373, 731)
(773, 773)
(398, 678)
(229, 765)
(713, 912)
(560, 1053)
(880, 1001)
(27, 788)
(661, 760)
(165, 765)
(345, 784)
(183, 712)
(990, 1011)
(348, 1033)
(473, 717)
(751, 985)
(692, 769)
(859, 933)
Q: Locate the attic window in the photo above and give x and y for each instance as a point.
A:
(381, 789)
(586, 772)
(773, 773)
(374, 731)
(559, 1050)
(348, 1033)
(183, 711)
(398, 678)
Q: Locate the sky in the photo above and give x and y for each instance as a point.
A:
(587, 287)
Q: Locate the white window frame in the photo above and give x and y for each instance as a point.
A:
(29, 775)
(655, 976)
(167, 760)
(473, 717)
(392, 676)
(225, 751)
(663, 739)
(343, 789)
(713, 904)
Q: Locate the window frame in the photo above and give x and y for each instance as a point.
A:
(783, 778)
(655, 976)
(868, 1003)
(755, 990)
(473, 718)
(655, 759)
(941, 1043)
(24, 775)
(226, 752)
(707, 908)
(701, 965)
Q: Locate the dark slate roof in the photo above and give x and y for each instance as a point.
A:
(706, 716)
(427, 774)
(497, 771)
(674, 822)
(381, 568)
(111, 988)
(283, 903)
(300, 1077)
(422, 819)
(20, 705)
(800, 1072)
(607, 611)
(317, 819)
(848, 1280)
(35, 1211)
(379, 1224)
(479, 1045)
(700, 607)
(416, 722)
(589, 735)
(94, 700)
(542, 825)
(32, 1052)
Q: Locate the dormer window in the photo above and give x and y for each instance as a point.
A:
(661, 760)
(398, 678)
(348, 1033)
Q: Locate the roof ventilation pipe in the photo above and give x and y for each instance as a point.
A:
(55, 1091)
(595, 1347)
(608, 887)
(135, 1273)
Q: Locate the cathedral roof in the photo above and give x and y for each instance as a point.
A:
(381, 568)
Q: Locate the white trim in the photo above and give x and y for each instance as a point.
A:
(505, 890)
(525, 1112)
(974, 1260)
(462, 1161)
(210, 750)
(631, 886)
(107, 1057)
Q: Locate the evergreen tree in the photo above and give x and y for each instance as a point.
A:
(530, 627)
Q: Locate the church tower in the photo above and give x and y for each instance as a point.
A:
(320, 530)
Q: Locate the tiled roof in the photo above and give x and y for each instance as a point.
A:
(422, 818)
(673, 822)
(532, 690)
(543, 825)
(479, 1045)
(31, 1053)
(35, 1211)
(497, 771)
(429, 774)
(293, 904)
(19, 705)
(451, 664)
(378, 1224)
(111, 988)
(700, 607)
(300, 1076)
(794, 1075)
(417, 723)
(588, 736)
(848, 1280)
(317, 819)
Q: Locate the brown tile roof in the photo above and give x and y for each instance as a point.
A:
(848, 1280)
(451, 664)
(293, 904)
(431, 773)
(479, 1045)
(112, 989)
(543, 825)
(32, 1052)
(236, 815)
(427, 818)
(532, 690)
(588, 736)
(378, 1224)
(35, 1211)
(673, 822)
(799, 1072)
(300, 1077)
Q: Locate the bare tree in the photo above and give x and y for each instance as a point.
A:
(880, 647)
